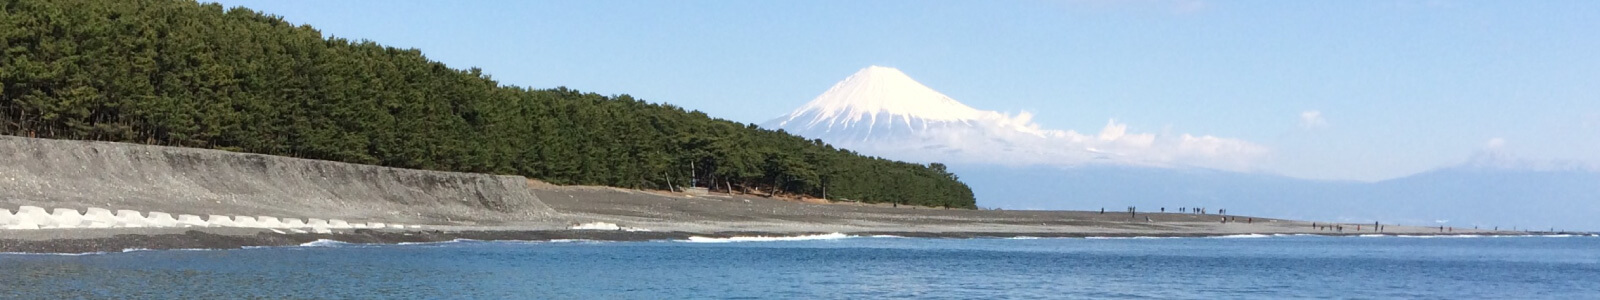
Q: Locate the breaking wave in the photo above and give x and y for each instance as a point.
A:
(1241, 236)
(829, 236)
(325, 243)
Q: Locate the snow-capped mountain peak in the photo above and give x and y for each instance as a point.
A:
(881, 111)
(878, 97)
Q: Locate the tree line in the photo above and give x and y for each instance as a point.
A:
(181, 73)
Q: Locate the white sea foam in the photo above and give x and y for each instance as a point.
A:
(324, 243)
(55, 254)
(179, 249)
(1373, 235)
(439, 242)
(1023, 238)
(1441, 236)
(569, 241)
(1131, 237)
(829, 236)
(1241, 236)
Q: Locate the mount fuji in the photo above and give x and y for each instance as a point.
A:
(1012, 163)
(876, 104)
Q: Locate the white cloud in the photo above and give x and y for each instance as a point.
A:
(1312, 119)
(1001, 139)
(1189, 6)
(1495, 144)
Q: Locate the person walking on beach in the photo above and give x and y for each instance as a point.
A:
(1102, 210)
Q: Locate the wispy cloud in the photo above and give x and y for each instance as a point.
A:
(1016, 140)
(1312, 119)
(1495, 144)
(1176, 7)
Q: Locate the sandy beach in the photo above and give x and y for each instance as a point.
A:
(659, 215)
(443, 206)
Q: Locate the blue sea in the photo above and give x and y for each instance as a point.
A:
(838, 267)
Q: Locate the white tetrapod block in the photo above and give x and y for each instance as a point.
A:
(97, 217)
(160, 219)
(270, 222)
(359, 225)
(23, 225)
(317, 223)
(294, 223)
(25, 218)
(321, 230)
(31, 210)
(66, 218)
(220, 221)
(131, 218)
(32, 217)
(338, 224)
(245, 221)
(6, 218)
(192, 221)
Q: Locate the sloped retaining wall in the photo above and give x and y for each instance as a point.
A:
(82, 174)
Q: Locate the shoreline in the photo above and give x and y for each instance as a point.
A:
(159, 193)
(204, 240)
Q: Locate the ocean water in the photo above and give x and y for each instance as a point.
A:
(838, 267)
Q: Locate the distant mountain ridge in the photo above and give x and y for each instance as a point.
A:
(1011, 163)
(1462, 196)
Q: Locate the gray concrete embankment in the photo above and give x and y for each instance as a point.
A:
(80, 174)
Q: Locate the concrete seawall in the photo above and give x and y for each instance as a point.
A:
(81, 174)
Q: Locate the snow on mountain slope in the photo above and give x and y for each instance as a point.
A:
(882, 111)
(877, 92)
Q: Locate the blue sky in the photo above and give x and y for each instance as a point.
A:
(1361, 90)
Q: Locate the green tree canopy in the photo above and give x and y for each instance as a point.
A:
(180, 73)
